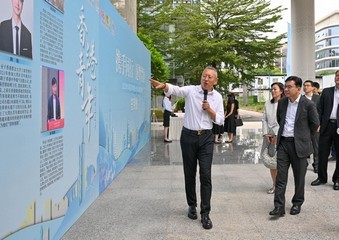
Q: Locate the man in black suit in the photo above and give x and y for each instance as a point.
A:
(297, 117)
(53, 103)
(308, 90)
(14, 36)
(329, 132)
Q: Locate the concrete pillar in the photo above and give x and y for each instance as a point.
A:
(303, 39)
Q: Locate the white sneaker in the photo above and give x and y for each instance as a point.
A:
(271, 190)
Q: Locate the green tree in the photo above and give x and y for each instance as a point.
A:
(158, 66)
(231, 35)
(154, 20)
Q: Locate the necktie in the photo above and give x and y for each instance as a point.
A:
(17, 40)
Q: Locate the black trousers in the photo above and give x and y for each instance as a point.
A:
(197, 149)
(326, 139)
(315, 144)
(286, 156)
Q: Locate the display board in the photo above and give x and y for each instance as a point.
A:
(74, 110)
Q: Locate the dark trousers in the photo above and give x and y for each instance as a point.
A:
(326, 139)
(315, 143)
(197, 149)
(286, 156)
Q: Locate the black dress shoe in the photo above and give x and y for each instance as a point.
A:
(277, 211)
(192, 212)
(295, 210)
(317, 182)
(336, 185)
(206, 221)
(167, 141)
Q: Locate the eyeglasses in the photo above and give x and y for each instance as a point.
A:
(288, 86)
(207, 76)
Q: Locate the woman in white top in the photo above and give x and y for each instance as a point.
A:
(270, 125)
(167, 106)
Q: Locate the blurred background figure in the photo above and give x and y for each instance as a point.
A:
(229, 124)
(167, 107)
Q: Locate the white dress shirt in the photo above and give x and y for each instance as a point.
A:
(335, 104)
(167, 105)
(290, 118)
(195, 117)
(14, 35)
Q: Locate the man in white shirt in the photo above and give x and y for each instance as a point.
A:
(329, 132)
(203, 105)
(297, 118)
(14, 36)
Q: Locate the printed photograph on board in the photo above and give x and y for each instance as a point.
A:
(52, 99)
(15, 27)
(58, 4)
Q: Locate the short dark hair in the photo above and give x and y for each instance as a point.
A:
(54, 81)
(297, 80)
(316, 85)
(308, 81)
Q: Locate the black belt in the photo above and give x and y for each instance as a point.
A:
(196, 132)
(333, 121)
(288, 139)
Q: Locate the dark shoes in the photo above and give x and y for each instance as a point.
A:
(295, 210)
(206, 221)
(167, 141)
(336, 185)
(277, 211)
(318, 182)
(192, 212)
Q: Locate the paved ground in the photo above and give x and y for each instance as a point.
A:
(147, 200)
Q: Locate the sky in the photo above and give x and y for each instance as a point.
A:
(322, 9)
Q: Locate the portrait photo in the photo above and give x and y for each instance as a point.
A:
(58, 4)
(16, 27)
(52, 116)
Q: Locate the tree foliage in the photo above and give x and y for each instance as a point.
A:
(231, 35)
(158, 66)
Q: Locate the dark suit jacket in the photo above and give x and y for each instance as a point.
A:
(325, 107)
(50, 108)
(306, 120)
(6, 39)
(316, 99)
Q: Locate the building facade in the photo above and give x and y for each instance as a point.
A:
(327, 43)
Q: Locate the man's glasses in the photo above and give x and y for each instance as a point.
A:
(288, 86)
(207, 76)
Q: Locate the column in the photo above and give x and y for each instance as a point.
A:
(303, 39)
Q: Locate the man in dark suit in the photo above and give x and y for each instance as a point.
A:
(297, 117)
(14, 36)
(308, 90)
(53, 103)
(329, 132)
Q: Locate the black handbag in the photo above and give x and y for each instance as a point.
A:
(238, 122)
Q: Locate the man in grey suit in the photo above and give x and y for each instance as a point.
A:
(308, 90)
(329, 132)
(14, 36)
(297, 117)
